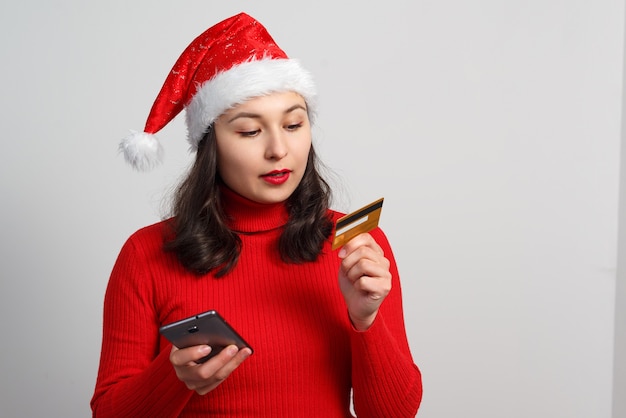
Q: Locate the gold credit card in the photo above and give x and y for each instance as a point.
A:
(357, 222)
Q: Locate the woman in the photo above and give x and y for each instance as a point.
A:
(250, 238)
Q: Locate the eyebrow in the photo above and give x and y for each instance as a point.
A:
(258, 116)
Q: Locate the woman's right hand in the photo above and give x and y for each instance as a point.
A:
(204, 377)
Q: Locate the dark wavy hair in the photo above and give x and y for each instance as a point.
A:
(201, 238)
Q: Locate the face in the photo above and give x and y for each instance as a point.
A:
(263, 145)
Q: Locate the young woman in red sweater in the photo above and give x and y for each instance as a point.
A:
(251, 238)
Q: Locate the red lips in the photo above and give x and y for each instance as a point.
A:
(277, 177)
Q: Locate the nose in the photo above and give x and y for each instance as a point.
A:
(277, 147)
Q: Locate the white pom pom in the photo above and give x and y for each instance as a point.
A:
(141, 150)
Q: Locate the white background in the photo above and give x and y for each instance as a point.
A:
(492, 129)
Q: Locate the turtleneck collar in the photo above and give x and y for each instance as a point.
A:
(247, 216)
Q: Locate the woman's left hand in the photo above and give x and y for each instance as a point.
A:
(364, 279)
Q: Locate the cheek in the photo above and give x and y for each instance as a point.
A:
(228, 166)
(234, 166)
(227, 155)
(303, 153)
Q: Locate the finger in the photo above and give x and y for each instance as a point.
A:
(220, 367)
(375, 288)
(203, 377)
(222, 363)
(371, 252)
(359, 241)
(189, 355)
(364, 262)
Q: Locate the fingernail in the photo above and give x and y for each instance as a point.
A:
(232, 350)
(342, 253)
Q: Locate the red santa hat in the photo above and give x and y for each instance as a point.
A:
(231, 62)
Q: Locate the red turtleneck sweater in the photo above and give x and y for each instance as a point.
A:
(307, 356)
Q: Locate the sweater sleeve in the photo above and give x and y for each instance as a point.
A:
(134, 379)
(386, 381)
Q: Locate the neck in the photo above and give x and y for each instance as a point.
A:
(245, 215)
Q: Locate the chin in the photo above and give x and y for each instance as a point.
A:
(275, 197)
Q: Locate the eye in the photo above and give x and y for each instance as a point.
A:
(249, 134)
(294, 126)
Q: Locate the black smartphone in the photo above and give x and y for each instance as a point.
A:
(206, 328)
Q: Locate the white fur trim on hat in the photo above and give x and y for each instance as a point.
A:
(243, 82)
(141, 150)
